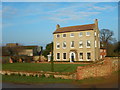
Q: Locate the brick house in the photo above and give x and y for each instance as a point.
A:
(77, 43)
(103, 52)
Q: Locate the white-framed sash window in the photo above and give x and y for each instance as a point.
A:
(57, 36)
(80, 34)
(57, 45)
(81, 55)
(81, 44)
(58, 56)
(64, 56)
(64, 44)
(88, 44)
(87, 33)
(71, 34)
(72, 44)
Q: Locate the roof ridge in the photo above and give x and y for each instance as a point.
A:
(78, 25)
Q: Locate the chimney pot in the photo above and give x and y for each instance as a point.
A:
(57, 26)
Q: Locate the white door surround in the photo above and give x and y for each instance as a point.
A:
(72, 56)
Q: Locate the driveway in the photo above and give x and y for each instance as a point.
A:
(58, 85)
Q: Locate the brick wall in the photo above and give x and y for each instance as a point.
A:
(97, 70)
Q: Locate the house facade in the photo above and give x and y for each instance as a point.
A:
(77, 43)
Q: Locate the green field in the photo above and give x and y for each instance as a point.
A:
(40, 67)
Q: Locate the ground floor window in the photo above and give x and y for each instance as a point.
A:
(88, 55)
(58, 55)
(64, 55)
(81, 55)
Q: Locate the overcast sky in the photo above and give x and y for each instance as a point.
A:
(32, 23)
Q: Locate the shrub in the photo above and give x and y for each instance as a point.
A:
(42, 75)
(51, 76)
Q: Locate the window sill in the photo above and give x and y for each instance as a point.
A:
(88, 47)
(80, 47)
(64, 48)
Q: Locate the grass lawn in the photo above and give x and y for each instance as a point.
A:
(32, 80)
(40, 67)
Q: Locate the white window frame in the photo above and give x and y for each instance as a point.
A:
(79, 56)
(63, 45)
(71, 34)
(90, 44)
(63, 36)
(57, 34)
(87, 34)
(82, 44)
(71, 44)
(95, 33)
(80, 35)
(98, 35)
(57, 45)
(95, 43)
(99, 44)
(90, 56)
(56, 56)
(63, 56)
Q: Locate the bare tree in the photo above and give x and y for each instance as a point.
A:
(106, 37)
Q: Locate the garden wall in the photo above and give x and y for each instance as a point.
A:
(41, 74)
(100, 69)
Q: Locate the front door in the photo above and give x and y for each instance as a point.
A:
(72, 57)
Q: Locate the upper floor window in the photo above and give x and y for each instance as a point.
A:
(64, 44)
(95, 34)
(88, 44)
(72, 44)
(80, 34)
(72, 35)
(64, 35)
(87, 33)
(98, 35)
(80, 44)
(58, 45)
(58, 35)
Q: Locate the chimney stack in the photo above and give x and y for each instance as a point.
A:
(57, 26)
(96, 22)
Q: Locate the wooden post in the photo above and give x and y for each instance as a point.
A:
(52, 63)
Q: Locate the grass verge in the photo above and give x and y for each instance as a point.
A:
(40, 67)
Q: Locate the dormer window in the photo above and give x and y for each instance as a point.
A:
(87, 33)
(58, 36)
(72, 35)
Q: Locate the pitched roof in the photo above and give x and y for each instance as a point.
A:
(75, 28)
